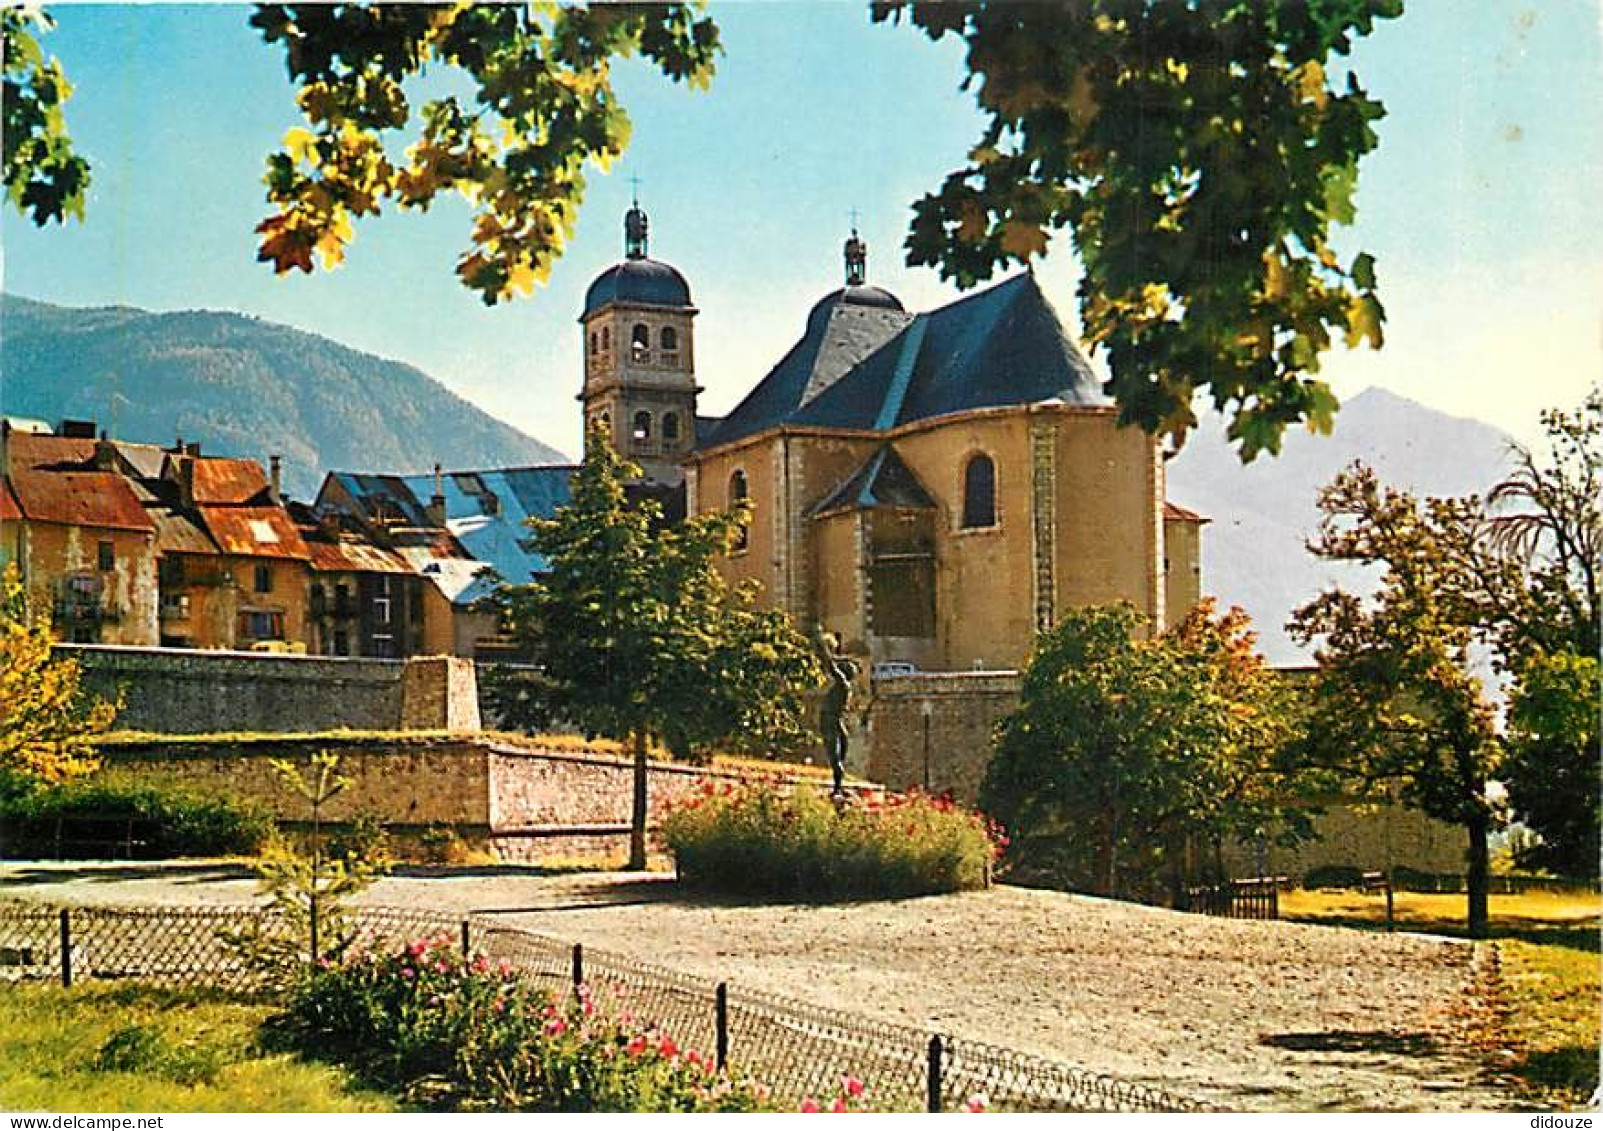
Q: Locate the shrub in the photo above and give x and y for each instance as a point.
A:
(173, 821)
(762, 840)
(452, 1033)
(1334, 876)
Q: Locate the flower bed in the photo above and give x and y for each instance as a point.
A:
(445, 1032)
(800, 843)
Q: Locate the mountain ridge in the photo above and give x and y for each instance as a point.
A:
(1254, 551)
(246, 386)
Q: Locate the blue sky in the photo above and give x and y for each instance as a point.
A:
(1481, 205)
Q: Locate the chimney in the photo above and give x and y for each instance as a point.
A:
(105, 453)
(186, 479)
(274, 477)
(435, 511)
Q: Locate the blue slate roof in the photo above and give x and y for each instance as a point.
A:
(1000, 346)
(487, 511)
(645, 282)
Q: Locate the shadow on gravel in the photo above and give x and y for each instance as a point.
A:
(198, 872)
(1346, 1040)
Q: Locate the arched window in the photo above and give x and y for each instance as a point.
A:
(737, 492)
(669, 338)
(670, 423)
(639, 341)
(979, 492)
(642, 425)
(595, 342)
(606, 338)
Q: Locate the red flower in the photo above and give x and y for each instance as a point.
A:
(809, 1105)
(839, 1105)
(666, 1046)
(977, 1102)
(851, 1085)
(636, 1045)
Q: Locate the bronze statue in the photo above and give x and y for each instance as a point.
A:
(839, 672)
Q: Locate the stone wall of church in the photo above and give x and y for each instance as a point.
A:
(1182, 568)
(1109, 514)
(984, 576)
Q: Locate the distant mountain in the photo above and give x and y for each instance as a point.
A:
(244, 387)
(1253, 553)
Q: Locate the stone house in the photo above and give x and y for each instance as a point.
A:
(365, 600)
(78, 533)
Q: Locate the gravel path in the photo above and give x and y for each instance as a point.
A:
(1245, 1015)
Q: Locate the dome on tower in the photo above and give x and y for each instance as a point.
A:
(638, 279)
(643, 281)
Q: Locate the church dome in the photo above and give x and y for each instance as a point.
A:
(646, 282)
(857, 291)
(638, 279)
(863, 295)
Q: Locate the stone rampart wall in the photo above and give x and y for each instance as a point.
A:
(188, 691)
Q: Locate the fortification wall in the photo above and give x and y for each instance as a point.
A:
(185, 691)
(934, 731)
(526, 803)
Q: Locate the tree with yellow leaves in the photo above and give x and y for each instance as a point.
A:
(48, 723)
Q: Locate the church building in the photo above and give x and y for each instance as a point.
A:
(934, 488)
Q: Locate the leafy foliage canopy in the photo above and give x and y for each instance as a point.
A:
(1199, 153)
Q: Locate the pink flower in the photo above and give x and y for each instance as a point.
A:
(408, 973)
(555, 1027)
(809, 1105)
(481, 964)
(851, 1085)
(839, 1105)
(505, 967)
(417, 948)
(977, 1102)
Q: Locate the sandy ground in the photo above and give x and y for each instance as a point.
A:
(1244, 1015)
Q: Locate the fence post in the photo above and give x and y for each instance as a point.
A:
(934, 1082)
(578, 965)
(720, 1009)
(467, 941)
(1389, 919)
(66, 949)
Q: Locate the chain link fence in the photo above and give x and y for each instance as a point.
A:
(795, 1049)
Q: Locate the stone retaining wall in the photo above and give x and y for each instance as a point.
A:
(189, 691)
(526, 803)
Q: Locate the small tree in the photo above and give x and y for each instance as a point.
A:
(641, 636)
(307, 890)
(1394, 701)
(1127, 753)
(1554, 764)
(48, 722)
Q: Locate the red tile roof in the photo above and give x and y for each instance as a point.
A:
(1173, 512)
(353, 556)
(53, 480)
(8, 504)
(228, 482)
(258, 532)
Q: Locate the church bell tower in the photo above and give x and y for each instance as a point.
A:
(639, 357)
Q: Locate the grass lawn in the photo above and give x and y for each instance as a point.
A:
(125, 1048)
(1551, 972)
